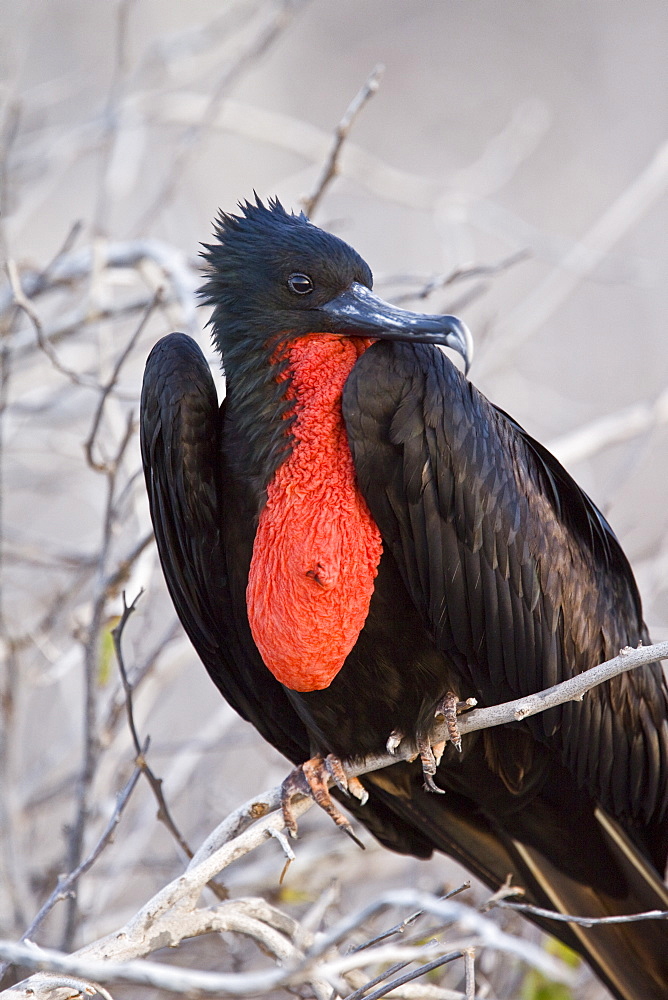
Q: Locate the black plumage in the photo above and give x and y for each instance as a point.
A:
(498, 578)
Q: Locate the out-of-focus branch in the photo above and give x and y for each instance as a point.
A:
(111, 382)
(615, 428)
(176, 267)
(331, 166)
(184, 147)
(22, 301)
(169, 915)
(321, 961)
(66, 883)
(581, 260)
(441, 281)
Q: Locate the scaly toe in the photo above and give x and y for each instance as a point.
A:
(335, 768)
(311, 780)
(429, 765)
(447, 709)
(356, 788)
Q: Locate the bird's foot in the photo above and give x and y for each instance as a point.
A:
(312, 780)
(447, 710)
(430, 758)
(430, 753)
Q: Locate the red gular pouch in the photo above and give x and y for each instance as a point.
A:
(317, 549)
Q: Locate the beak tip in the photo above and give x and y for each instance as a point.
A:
(461, 340)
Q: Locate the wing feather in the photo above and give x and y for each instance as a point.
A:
(193, 513)
(511, 565)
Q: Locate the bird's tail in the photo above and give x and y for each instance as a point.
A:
(630, 958)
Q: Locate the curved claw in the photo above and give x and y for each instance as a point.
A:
(431, 753)
(312, 780)
(393, 740)
(448, 709)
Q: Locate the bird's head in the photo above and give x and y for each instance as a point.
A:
(274, 276)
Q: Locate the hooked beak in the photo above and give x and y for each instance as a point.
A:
(357, 312)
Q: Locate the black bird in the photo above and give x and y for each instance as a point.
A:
(356, 537)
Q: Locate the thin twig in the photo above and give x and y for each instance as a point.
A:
(107, 388)
(441, 281)
(164, 814)
(568, 918)
(401, 927)
(186, 143)
(117, 635)
(422, 970)
(24, 303)
(66, 883)
(381, 978)
(287, 850)
(331, 166)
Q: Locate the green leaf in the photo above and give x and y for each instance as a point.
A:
(107, 657)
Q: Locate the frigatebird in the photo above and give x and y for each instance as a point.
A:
(356, 537)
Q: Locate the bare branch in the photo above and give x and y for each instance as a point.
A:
(481, 932)
(45, 345)
(614, 428)
(572, 689)
(113, 379)
(154, 918)
(568, 918)
(458, 274)
(331, 167)
(164, 813)
(67, 882)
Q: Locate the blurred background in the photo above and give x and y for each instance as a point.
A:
(512, 167)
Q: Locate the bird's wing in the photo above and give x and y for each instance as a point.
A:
(185, 476)
(518, 577)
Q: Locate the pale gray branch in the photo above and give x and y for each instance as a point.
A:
(331, 166)
(572, 689)
(613, 428)
(154, 923)
(480, 930)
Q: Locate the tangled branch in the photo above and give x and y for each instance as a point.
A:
(305, 958)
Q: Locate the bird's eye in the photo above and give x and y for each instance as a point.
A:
(300, 284)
